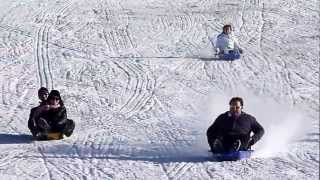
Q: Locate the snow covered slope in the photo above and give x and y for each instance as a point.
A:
(138, 79)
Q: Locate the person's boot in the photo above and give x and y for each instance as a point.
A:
(43, 124)
(70, 125)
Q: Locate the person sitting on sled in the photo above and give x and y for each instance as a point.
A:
(53, 118)
(231, 131)
(32, 124)
(227, 46)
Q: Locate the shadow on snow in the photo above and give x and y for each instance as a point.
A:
(15, 138)
(125, 153)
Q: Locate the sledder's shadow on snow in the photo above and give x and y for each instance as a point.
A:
(127, 153)
(210, 59)
(164, 159)
(215, 59)
(15, 138)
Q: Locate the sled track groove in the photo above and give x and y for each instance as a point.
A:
(256, 39)
(113, 50)
(164, 169)
(141, 90)
(269, 51)
(42, 57)
(205, 167)
(178, 28)
(117, 40)
(42, 47)
(178, 170)
(299, 159)
(5, 91)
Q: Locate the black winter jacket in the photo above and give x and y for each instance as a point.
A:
(34, 113)
(56, 118)
(226, 126)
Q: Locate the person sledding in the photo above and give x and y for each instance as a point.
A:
(227, 46)
(32, 124)
(51, 119)
(231, 131)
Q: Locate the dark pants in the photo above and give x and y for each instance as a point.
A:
(65, 128)
(232, 55)
(227, 142)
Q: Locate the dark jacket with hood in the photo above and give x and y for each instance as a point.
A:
(232, 127)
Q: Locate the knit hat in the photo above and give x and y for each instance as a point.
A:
(54, 93)
(43, 90)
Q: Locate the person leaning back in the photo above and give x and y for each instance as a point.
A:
(232, 130)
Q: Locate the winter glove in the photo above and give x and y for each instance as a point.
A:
(240, 51)
(43, 124)
(218, 51)
(251, 142)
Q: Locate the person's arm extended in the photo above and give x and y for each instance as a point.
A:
(257, 130)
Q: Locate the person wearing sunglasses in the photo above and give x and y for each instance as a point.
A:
(53, 119)
(232, 130)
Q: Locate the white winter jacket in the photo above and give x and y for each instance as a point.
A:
(226, 42)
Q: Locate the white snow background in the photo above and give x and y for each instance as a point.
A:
(140, 81)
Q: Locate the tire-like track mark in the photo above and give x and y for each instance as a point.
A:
(139, 89)
(42, 58)
(303, 161)
(178, 28)
(178, 170)
(118, 41)
(269, 50)
(139, 84)
(42, 45)
(142, 89)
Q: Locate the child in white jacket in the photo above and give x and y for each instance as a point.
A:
(227, 44)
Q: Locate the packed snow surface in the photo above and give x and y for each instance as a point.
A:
(140, 80)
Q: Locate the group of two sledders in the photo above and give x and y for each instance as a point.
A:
(233, 130)
(50, 117)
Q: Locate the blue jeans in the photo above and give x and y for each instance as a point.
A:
(233, 54)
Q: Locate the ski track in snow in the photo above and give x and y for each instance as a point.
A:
(134, 75)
